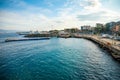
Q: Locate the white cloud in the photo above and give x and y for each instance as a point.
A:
(74, 13)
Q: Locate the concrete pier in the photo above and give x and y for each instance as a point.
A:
(26, 39)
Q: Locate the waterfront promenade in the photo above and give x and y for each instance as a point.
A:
(110, 42)
(113, 46)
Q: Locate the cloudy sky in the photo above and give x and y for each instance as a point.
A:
(56, 14)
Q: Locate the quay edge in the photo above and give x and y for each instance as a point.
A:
(114, 52)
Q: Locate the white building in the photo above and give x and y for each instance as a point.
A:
(63, 34)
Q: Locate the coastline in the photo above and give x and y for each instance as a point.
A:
(106, 44)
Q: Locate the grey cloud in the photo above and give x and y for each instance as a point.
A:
(91, 16)
(59, 21)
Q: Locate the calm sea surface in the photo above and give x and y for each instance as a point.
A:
(55, 59)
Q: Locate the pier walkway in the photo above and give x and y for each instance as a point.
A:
(26, 39)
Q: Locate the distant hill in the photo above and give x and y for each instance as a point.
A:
(7, 31)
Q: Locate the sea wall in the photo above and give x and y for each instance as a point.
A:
(113, 51)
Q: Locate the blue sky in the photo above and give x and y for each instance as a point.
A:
(56, 14)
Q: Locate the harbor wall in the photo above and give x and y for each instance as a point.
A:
(114, 52)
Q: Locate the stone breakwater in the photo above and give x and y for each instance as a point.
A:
(25, 39)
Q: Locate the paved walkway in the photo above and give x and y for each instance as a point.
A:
(114, 43)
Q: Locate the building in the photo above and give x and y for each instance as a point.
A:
(109, 27)
(36, 32)
(93, 30)
(116, 29)
(64, 34)
(44, 32)
(72, 30)
(53, 33)
(85, 27)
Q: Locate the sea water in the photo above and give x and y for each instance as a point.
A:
(55, 59)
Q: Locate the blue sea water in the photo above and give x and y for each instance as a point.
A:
(55, 59)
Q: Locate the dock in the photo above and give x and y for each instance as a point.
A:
(26, 39)
(112, 46)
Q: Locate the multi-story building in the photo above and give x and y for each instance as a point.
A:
(109, 26)
(116, 29)
(85, 27)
